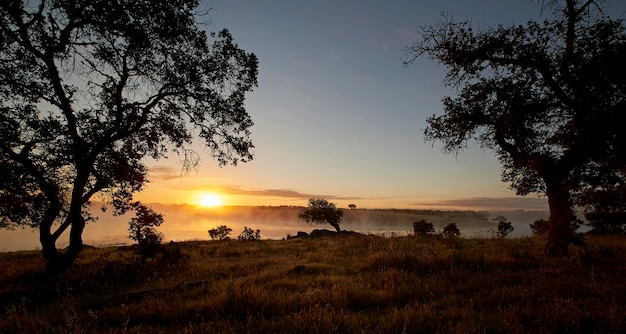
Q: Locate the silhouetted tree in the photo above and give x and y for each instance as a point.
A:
(423, 228)
(548, 97)
(220, 233)
(352, 206)
(320, 211)
(504, 228)
(249, 234)
(605, 209)
(142, 228)
(540, 227)
(88, 89)
(451, 231)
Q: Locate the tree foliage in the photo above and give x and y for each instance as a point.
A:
(605, 209)
(220, 233)
(451, 231)
(547, 97)
(539, 227)
(504, 229)
(88, 89)
(423, 228)
(142, 228)
(249, 234)
(321, 211)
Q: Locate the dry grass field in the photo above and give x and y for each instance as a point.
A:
(340, 284)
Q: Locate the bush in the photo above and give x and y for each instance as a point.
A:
(249, 234)
(540, 227)
(142, 228)
(607, 223)
(451, 231)
(220, 233)
(423, 228)
(504, 229)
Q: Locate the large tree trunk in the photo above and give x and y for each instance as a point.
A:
(336, 226)
(59, 263)
(47, 239)
(561, 217)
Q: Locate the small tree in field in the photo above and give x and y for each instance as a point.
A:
(142, 228)
(249, 234)
(220, 233)
(451, 231)
(539, 227)
(504, 229)
(320, 211)
(423, 228)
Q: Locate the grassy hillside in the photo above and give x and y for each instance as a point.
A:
(341, 284)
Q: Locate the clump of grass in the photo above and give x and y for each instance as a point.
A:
(346, 284)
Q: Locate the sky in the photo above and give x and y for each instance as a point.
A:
(338, 116)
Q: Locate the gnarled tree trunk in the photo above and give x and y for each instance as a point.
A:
(60, 262)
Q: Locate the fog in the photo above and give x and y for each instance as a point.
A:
(187, 222)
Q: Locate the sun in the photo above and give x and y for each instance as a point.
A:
(210, 200)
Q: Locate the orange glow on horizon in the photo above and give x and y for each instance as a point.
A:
(210, 200)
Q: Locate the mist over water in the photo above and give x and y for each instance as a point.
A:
(186, 222)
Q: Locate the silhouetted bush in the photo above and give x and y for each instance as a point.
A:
(423, 228)
(504, 229)
(220, 233)
(539, 227)
(142, 228)
(607, 223)
(451, 231)
(249, 234)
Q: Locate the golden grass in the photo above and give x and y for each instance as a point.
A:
(343, 284)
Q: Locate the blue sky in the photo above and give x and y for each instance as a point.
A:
(338, 116)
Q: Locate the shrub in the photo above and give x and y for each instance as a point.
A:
(142, 228)
(504, 229)
(539, 227)
(423, 228)
(451, 231)
(220, 233)
(607, 223)
(249, 234)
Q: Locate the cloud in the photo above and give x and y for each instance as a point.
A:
(213, 184)
(165, 174)
(162, 173)
(288, 193)
(490, 203)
